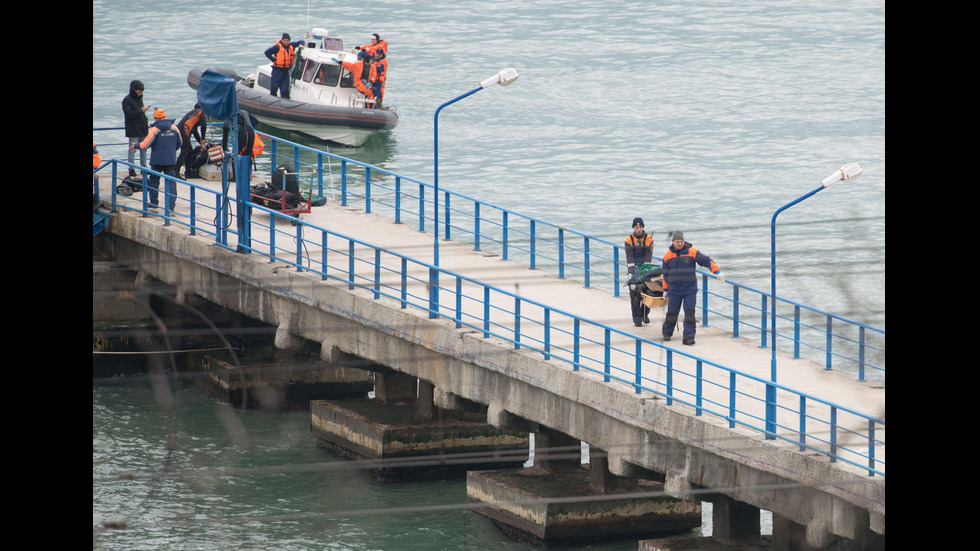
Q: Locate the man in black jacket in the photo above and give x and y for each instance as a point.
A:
(137, 126)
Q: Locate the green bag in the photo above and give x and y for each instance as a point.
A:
(644, 268)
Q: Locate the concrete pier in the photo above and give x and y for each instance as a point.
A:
(287, 384)
(545, 508)
(396, 445)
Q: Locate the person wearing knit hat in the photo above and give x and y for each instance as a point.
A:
(282, 54)
(376, 44)
(164, 141)
(681, 284)
(639, 254)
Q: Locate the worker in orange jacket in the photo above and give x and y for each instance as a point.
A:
(378, 76)
(96, 161)
(361, 70)
(376, 44)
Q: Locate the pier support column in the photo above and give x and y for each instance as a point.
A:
(556, 451)
(733, 521)
(426, 403)
(393, 386)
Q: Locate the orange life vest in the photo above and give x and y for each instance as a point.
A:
(284, 56)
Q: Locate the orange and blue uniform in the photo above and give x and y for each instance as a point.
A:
(375, 44)
(282, 54)
(681, 284)
(358, 69)
(379, 74)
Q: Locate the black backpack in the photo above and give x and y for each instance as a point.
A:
(291, 183)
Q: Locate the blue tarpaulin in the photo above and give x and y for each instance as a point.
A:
(216, 95)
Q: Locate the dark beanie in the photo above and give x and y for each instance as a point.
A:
(677, 236)
(639, 221)
(285, 35)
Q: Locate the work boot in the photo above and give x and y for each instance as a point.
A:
(646, 319)
(637, 322)
(666, 338)
(689, 341)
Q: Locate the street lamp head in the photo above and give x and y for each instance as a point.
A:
(503, 78)
(846, 173)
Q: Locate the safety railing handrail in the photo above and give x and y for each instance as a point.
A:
(805, 340)
(845, 344)
(524, 331)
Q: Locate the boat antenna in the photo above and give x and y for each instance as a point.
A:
(307, 15)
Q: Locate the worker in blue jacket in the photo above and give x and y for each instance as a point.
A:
(282, 54)
(681, 284)
(164, 142)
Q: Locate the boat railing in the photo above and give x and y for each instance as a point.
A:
(809, 423)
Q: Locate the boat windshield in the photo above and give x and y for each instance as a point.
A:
(326, 74)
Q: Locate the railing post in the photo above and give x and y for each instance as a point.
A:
(350, 264)
(404, 274)
(533, 244)
(503, 237)
(323, 257)
(547, 333)
(343, 182)
(734, 311)
(367, 190)
(699, 388)
(802, 423)
(476, 226)
(732, 394)
(445, 218)
(576, 333)
(561, 253)
(272, 238)
(861, 353)
(517, 323)
(299, 247)
(588, 274)
(459, 302)
(486, 312)
(616, 271)
(796, 331)
(704, 301)
(607, 362)
(833, 434)
(639, 365)
(433, 292)
(422, 208)
(871, 447)
(830, 342)
(398, 199)
(765, 317)
(377, 273)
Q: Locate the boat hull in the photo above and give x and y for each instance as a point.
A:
(344, 125)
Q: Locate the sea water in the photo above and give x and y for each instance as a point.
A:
(704, 117)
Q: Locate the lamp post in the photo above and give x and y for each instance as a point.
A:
(846, 173)
(503, 78)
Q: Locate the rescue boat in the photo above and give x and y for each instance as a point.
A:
(323, 101)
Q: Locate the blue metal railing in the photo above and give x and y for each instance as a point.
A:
(679, 377)
(839, 342)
